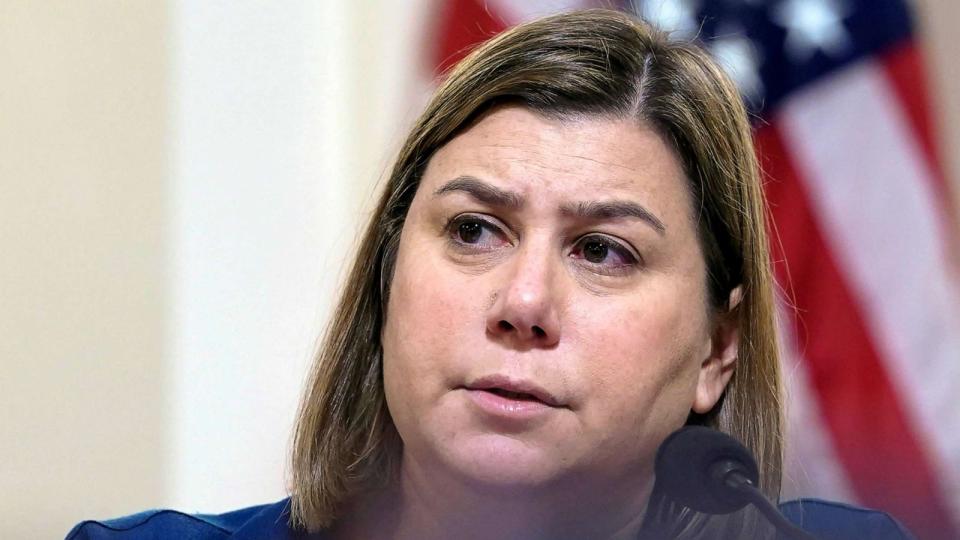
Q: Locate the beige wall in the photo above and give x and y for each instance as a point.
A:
(82, 127)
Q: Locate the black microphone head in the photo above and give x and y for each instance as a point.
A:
(692, 466)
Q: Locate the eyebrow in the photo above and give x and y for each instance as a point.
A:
(614, 210)
(595, 210)
(482, 191)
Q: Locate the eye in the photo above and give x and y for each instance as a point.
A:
(604, 254)
(471, 231)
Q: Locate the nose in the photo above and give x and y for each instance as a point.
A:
(524, 307)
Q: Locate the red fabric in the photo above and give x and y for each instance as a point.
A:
(463, 24)
(905, 69)
(871, 434)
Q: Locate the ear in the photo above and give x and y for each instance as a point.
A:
(718, 366)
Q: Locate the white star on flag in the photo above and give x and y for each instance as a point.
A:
(812, 25)
(740, 57)
(678, 17)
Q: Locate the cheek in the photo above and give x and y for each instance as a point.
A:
(644, 368)
(427, 320)
(630, 340)
(426, 307)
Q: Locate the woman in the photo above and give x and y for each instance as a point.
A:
(579, 211)
(567, 264)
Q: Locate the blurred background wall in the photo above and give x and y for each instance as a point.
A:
(85, 285)
(180, 183)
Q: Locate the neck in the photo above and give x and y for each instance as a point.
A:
(425, 505)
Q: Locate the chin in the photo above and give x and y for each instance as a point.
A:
(502, 462)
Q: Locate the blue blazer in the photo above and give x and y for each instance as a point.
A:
(825, 520)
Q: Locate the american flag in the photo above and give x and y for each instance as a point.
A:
(863, 235)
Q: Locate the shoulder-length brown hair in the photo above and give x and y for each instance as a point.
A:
(594, 62)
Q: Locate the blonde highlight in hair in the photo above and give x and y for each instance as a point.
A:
(586, 63)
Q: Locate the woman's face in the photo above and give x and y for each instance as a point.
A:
(548, 322)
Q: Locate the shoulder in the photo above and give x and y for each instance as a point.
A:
(828, 520)
(264, 521)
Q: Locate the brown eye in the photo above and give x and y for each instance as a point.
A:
(469, 232)
(475, 233)
(605, 255)
(595, 251)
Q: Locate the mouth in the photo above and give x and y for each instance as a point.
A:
(519, 396)
(515, 390)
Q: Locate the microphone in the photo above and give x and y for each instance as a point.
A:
(711, 472)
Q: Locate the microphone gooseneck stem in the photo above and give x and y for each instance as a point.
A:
(756, 497)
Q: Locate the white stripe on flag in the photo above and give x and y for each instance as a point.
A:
(871, 190)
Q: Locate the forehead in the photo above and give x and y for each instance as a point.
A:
(537, 156)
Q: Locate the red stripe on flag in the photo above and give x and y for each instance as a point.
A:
(463, 24)
(904, 67)
(873, 438)
(905, 70)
